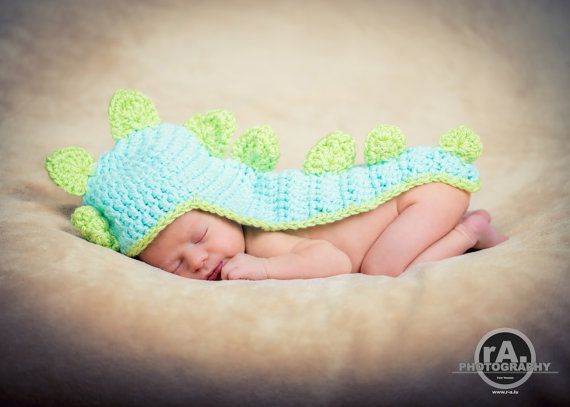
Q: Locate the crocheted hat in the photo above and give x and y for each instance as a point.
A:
(157, 171)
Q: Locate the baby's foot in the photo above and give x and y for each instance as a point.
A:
(477, 226)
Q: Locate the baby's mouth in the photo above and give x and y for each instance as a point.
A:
(216, 274)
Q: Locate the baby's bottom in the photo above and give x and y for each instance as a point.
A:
(427, 228)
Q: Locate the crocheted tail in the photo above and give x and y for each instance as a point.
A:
(328, 181)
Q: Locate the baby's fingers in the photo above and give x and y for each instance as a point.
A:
(229, 270)
(233, 264)
(226, 271)
(237, 274)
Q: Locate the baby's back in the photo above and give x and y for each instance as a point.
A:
(353, 235)
(356, 234)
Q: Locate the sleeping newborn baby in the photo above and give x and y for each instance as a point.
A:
(423, 224)
(167, 195)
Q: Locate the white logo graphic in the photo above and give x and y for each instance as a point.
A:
(504, 359)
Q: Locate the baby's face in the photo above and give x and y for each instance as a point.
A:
(195, 244)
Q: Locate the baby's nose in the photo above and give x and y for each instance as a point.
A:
(197, 260)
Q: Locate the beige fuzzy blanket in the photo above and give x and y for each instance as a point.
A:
(82, 324)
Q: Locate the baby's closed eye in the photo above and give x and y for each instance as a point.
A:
(176, 268)
(203, 235)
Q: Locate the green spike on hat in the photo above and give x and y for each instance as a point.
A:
(69, 169)
(93, 227)
(129, 111)
(158, 171)
(463, 142)
(334, 153)
(214, 129)
(383, 143)
(258, 147)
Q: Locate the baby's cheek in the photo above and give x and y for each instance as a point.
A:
(237, 244)
(187, 274)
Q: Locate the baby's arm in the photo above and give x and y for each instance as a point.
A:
(279, 255)
(309, 259)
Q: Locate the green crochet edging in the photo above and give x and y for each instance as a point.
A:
(130, 110)
(323, 218)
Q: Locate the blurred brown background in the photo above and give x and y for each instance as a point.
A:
(78, 323)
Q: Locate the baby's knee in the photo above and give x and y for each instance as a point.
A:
(444, 203)
(444, 195)
(380, 268)
(440, 194)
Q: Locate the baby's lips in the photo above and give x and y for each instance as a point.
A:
(217, 273)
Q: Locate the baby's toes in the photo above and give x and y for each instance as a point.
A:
(487, 235)
(477, 225)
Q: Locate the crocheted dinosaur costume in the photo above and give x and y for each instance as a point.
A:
(157, 172)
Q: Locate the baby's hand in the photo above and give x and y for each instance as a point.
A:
(245, 267)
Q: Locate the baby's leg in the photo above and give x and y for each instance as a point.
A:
(429, 214)
(474, 231)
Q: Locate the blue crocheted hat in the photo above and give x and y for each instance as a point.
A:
(157, 171)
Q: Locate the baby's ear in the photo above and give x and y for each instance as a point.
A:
(69, 168)
(214, 129)
(130, 110)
